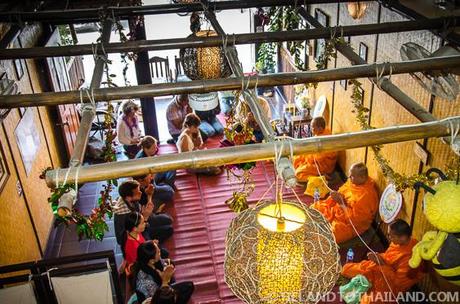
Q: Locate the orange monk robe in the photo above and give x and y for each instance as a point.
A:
(361, 203)
(305, 164)
(398, 274)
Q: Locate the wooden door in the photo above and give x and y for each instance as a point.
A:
(69, 120)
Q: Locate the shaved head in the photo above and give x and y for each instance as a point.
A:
(358, 173)
(318, 124)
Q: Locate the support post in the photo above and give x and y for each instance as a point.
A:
(144, 76)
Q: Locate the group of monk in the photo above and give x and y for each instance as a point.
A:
(350, 211)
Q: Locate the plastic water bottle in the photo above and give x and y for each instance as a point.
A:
(350, 255)
(316, 195)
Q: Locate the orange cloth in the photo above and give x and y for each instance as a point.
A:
(305, 164)
(398, 274)
(361, 203)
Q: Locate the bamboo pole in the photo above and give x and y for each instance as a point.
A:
(249, 95)
(89, 110)
(232, 83)
(249, 153)
(385, 84)
(93, 14)
(178, 43)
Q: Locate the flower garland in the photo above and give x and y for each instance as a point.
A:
(237, 132)
(91, 226)
(401, 181)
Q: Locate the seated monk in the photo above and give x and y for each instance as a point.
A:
(305, 164)
(356, 201)
(388, 272)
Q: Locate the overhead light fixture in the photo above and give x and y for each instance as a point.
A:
(357, 9)
(280, 252)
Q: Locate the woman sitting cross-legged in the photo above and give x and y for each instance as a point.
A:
(190, 140)
(151, 273)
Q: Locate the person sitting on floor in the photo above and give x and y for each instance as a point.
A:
(162, 194)
(132, 237)
(190, 140)
(149, 147)
(309, 164)
(151, 273)
(160, 226)
(210, 124)
(388, 272)
(243, 113)
(175, 115)
(128, 132)
(355, 204)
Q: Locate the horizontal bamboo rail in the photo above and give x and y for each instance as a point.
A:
(205, 86)
(177, 43)
(93, 14)
(249, 153)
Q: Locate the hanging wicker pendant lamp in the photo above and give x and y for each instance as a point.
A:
(356, 9)
(280, 253)
(205, 63)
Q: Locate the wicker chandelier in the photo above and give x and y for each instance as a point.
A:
(205, 63)
(280, 253)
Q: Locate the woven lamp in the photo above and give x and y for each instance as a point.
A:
(205, 63)
(280, 257)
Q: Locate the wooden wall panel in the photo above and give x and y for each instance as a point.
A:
(35, 190)
(17, 237)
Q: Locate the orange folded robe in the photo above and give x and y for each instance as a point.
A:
(305, 164)
(399, 276)
(361, 203)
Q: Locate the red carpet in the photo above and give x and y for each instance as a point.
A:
(201, 221)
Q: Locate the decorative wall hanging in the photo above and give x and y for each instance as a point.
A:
(390, 204)
(28, 139)
(356, 9)
(281, 252)
(205, 63)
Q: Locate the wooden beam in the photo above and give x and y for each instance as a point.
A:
(249, 153)
(232, 83)
(385, 84)
(236, 39)
(93, 14)
(88, 109)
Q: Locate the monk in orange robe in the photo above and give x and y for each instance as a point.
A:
(388, 272)
(356, 202)
(305, 165)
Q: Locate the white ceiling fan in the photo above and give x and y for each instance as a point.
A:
(440, 84)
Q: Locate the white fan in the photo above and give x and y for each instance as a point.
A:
(441, 85)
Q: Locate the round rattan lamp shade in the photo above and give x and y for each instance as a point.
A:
(297, 262)
(205, 63)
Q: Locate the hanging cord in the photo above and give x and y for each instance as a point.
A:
(47, 274)
(357, 233)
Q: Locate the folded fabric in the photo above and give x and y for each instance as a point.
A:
(352, 291)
